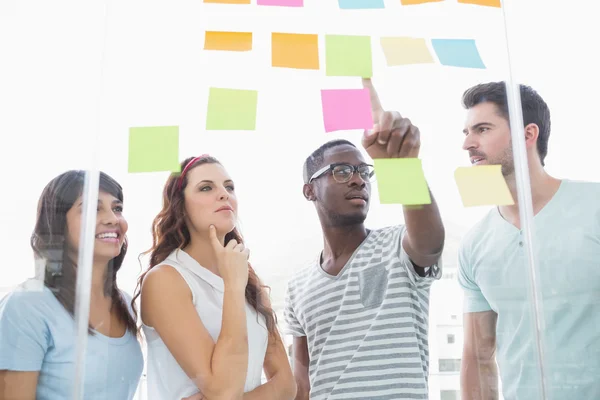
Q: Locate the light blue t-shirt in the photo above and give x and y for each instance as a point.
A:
(494, 273)
(38, 334)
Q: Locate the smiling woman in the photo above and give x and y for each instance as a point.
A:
(37, 330)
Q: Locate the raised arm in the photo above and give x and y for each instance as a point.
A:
(301, 361)
(479, 373)
(394, 136)
(218, 369)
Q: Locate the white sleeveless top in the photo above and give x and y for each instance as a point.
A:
(166, 379)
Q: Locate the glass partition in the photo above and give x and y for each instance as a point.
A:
(133, 89)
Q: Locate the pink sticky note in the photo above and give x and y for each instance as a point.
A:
(283, 3)
(345, 109)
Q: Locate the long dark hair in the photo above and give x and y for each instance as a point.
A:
(49, 243)
(169, 232)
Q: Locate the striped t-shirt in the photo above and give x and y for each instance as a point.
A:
(366, 327)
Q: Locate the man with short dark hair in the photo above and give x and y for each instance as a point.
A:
(359, 313)
(494, 273)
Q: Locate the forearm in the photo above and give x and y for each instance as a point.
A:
(230, 356)
(426, 232)
(303, 392)
(479, 379)
(275, 389)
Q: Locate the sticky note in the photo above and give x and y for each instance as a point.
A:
(345, 109)
(231, 109)
(228, 1)
(347, 55)
(231, 41)
(283, 3)
(488, 3)
(360, 4)
(413, 2)
(406, 50)
(482, 185)
(294, 50)
(153, 149)
(401, 181)
(458, 53)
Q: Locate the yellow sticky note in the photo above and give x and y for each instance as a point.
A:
(488, 3)
(406, 50)
(412, 2)
(228, 1)
(482, 185)
(231, 41)
(294, 50)
(401, 181)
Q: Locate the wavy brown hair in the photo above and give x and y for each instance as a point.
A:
(169, 232)
(49, 243)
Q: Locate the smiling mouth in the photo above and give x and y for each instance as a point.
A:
(477, 160)
(109, 235)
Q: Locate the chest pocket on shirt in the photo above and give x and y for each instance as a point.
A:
(372, 283)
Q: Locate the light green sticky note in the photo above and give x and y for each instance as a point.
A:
(401, 181)
(348, 56)
(231, 109)
(153, 149)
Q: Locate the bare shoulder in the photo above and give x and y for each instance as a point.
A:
(162, 287)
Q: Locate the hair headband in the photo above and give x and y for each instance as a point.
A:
(187, 167)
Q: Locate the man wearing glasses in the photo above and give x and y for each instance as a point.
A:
(359, 313)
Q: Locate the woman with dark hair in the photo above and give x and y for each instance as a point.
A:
(37, 329)
(207, 318)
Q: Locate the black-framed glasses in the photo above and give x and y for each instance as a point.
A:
(343, 172)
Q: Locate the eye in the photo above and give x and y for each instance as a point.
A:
(231, 188)
(118, 209)
(205, 188)
(483, 129)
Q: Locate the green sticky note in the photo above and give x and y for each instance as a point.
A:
(401, 181)
(153, 149)
(231, 109)
(348, 56)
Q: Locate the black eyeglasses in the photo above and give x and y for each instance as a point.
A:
(343, 172)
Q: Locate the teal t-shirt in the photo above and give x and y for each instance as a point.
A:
(38, 334)
(495, 275)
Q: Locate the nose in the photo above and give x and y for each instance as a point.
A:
(223, 194)
(357, 180)
(108, 217)
(469, 143)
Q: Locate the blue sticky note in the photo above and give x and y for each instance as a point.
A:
(360, 4)
(458, 53)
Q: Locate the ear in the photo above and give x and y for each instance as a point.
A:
(308, 192)
(532, 131)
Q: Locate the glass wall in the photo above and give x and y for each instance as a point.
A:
(77, 78)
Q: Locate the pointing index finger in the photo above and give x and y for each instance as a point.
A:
(376, 107)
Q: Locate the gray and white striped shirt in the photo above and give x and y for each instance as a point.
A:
(366, 327)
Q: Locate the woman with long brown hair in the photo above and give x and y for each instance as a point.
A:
(37, 330)
(207, 318)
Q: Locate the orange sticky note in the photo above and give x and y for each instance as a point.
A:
(412, 2)
(488, 3)
(228, 1)
(231, 41)
(295, 50)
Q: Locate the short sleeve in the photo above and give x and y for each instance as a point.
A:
(432, 273)
(474, 300)
(24, 334)
(293, 326)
